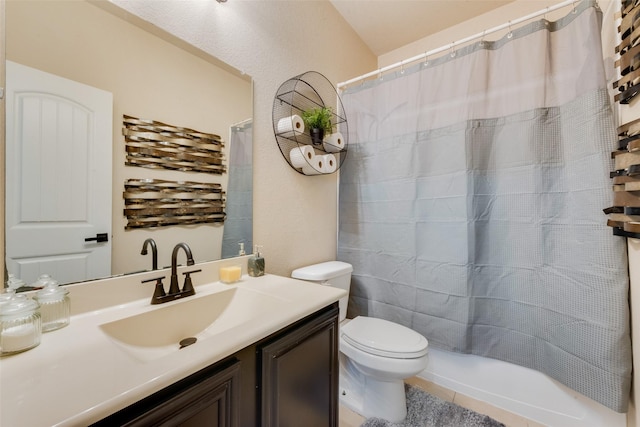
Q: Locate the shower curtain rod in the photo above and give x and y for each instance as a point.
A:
(243, 123)
(459, 42)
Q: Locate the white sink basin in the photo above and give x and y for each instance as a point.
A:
(158, 332)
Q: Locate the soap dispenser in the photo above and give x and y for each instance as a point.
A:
(255, 265)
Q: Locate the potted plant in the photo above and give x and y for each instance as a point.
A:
(318, 121)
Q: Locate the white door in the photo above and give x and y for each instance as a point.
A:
(58, 176)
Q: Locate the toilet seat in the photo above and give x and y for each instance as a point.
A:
(384, 338)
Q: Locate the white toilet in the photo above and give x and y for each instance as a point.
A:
(376, 355)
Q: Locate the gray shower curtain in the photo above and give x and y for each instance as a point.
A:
(238, 224)
(471, 205)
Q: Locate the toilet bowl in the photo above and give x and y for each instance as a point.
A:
(376, 355)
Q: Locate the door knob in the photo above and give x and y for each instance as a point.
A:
(100, 237)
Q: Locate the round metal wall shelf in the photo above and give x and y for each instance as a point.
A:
(302, 93)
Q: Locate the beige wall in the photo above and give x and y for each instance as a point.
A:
(294, 215)
(149, 78)
(2, 134)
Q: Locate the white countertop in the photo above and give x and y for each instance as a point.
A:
(79, 375)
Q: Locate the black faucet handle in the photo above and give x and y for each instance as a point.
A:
(187, 289)
(158, 292)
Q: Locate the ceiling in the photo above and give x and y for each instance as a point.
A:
(385, 25)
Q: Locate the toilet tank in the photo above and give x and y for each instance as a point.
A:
(330, 273)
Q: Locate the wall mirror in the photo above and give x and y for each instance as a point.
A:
(144, 72)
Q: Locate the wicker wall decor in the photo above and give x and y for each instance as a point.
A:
(153, 144)
(624, 215)
(158, 203)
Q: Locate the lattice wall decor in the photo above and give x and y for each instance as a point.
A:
(624, 215)
(154, 144)
(157, 203)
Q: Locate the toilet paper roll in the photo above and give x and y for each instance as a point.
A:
(329, 163)
(333, 143)
(315, 166)
(290, 126)
(301, 156)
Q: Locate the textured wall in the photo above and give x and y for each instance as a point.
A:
(294, 215)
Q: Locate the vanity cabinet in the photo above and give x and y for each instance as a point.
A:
(289, 378)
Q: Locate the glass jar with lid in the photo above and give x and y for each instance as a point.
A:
(20, 324)
(54, 306)
(14, 283)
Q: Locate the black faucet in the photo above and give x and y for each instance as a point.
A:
(159, 295)
(174, 288)
(154, 252)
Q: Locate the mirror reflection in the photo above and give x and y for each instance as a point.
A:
(66, 150)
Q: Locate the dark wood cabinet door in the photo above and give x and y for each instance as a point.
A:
(299, 374)
(207, 399)
(209, 403)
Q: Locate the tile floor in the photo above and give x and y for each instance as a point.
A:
(349, 418)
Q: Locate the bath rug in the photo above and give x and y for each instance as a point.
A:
(426, 410)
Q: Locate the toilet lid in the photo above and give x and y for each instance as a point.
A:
(384, 338)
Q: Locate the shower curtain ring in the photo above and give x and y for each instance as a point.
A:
(484, 33)
(574, 7)
(510, 33)
(453, 52)
(426, 59)
(380, 74)
(401, 67)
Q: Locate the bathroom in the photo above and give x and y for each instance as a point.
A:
(269, 41)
